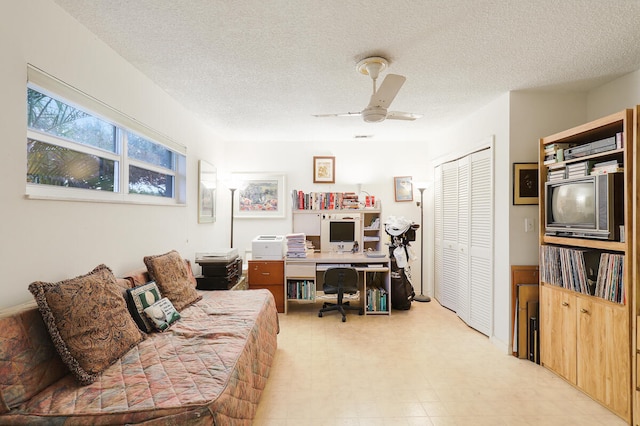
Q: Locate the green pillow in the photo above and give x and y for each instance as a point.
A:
(162, 314)
(139, 298)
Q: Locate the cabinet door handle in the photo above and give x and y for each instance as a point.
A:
(565, 304)
(266, 273)
(584, 311)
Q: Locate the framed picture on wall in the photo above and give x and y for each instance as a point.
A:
(259, 195)
(525, 183)
(324, 169)
(403, 188)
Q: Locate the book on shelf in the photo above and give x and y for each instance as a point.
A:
(556, 174)
(611, 166)
(619, 140)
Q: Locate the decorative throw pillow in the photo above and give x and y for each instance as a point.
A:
(169, 271)
(162, 314)
(88, 321)
(139, 298)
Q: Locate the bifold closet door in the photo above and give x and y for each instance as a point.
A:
(437, 233)
(464, 281)
(481, 242)
(449, 290)
(464, 238)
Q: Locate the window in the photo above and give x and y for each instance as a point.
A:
(79, 148)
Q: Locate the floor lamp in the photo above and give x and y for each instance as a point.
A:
(421, 297)
(232, 191)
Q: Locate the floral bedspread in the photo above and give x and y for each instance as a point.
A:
(209, 368)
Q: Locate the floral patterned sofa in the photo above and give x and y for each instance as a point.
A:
(207, 368)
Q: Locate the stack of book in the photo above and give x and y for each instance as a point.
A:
(350, 200)
(556, 173)
(578, 169)
(554, 153)
(612, 166)
(296, 245)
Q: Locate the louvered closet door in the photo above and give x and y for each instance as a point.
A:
(481, 242)
(449, 291)
(437, 232)
(463, 239)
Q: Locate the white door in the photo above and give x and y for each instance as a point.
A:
(449, 293)
(481, 242)
(463, 238)
(437, 232)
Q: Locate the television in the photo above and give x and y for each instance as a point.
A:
(340, 233)
(585, 207)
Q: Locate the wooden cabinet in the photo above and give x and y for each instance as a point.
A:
(586, 341)
(586, 334)
(268, 274)
(558, 332)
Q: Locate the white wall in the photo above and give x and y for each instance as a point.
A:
(615, 96)
(532, 116)
(55, 240)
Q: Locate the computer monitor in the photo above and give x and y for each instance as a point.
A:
(339, 233)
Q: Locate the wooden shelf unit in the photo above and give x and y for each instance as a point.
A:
(585, 339)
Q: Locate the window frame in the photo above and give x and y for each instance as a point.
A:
(44, 83)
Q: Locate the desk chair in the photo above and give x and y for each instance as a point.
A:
(340, 281)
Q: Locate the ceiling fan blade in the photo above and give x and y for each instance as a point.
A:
(342, 114)
(387, 91)
(397, 115)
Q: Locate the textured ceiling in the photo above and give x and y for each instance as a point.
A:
(257, 70)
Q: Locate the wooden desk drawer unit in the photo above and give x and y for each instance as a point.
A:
(268, 274)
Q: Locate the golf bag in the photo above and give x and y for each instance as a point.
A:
(401, 232)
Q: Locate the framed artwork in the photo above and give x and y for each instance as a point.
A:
(259, 195)
(403, 188)
(207, 184)
(324, 169)
(525, 183)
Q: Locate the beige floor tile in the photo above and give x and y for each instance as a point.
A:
(421, 367)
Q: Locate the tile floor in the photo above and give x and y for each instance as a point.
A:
(418, 367)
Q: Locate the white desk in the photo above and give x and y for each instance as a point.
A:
(304, 275)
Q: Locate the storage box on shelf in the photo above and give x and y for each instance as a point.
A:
(586, 289)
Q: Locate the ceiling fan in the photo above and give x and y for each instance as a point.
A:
(382, 97)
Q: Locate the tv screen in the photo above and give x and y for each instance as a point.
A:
(342, 232)
(574, 204)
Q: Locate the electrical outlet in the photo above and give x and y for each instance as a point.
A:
(528, 225)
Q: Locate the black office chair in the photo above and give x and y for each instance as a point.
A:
(340, 281)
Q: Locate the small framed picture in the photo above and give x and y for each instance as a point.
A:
(403, 188)
(324, 169)
(525, 183)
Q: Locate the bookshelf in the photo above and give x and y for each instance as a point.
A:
(586, 291)
(308, 215)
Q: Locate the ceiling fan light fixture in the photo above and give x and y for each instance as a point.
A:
(374, 114)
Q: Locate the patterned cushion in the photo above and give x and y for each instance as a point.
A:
(88, 321)
(170, 273)
(139, 298)
(162, 314)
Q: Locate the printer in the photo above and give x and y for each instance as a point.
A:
(267, 247)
